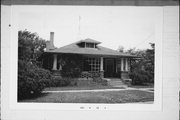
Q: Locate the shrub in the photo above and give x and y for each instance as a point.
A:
(71, 66)
(139, 77)
(31, 79)
(104, 82)
(98, 79)
(58, 81)
(74, 73)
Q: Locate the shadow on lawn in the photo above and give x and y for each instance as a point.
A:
(33, 96)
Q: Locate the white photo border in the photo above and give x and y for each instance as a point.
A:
(14, 104)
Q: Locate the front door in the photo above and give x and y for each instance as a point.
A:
(109, 67)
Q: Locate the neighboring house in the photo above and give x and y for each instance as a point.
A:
(94, 58)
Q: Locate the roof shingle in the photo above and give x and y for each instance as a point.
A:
(100, 51)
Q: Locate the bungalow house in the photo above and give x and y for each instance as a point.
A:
(94, 58)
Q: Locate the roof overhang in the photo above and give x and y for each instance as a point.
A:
(97, 55)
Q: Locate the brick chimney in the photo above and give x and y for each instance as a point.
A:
(52, 39)
(50, 44)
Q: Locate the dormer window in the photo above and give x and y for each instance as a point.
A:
(88, 43)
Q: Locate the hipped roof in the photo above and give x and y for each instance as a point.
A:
(88, 40)
(74, 48)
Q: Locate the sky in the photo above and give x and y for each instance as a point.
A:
(114, 26)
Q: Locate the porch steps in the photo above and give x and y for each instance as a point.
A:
(116, 82)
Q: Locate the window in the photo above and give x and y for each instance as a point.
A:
(81, 44)
(91, 64)
(87, 45)
(90, 45)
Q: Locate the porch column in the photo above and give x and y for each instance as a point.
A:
(101, 64)
(55, 62)
(126, 66)
(122, 64)
(60, 64)
(101, 68)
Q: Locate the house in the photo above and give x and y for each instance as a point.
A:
(94, 58)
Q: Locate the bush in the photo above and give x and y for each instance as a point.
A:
(58, 81)
(139, 77)
(98, 79)
(73, 74)
(31, 79)
(71, 65)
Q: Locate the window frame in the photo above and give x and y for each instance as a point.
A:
(93, 64)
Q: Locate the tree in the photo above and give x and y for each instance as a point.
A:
(30, 46)
(32, 79)
(121, 48)
(142, 69)
(149, 61)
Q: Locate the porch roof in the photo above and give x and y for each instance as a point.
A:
(74, 48)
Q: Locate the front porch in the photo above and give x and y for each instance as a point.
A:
(102, 66)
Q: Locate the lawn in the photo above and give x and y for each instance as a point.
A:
(125, 96)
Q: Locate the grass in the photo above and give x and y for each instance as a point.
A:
(125, 96)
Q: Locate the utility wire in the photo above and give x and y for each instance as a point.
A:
(79, 28)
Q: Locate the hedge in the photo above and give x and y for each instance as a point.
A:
(31, 79)
(58, 81)
(140, 77)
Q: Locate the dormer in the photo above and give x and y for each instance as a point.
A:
(88, 43)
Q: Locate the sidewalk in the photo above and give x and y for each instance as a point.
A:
(101, 90)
